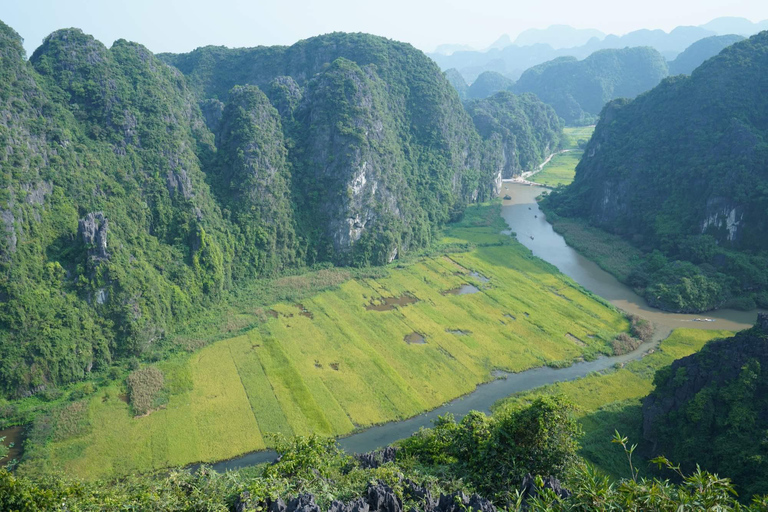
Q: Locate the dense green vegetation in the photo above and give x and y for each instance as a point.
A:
(337, 360)
(716, 398)
(705, 237)
(698, 52)
(458, 82)
(488, 84)
(521, 130)
(578, 89)
(138, 202)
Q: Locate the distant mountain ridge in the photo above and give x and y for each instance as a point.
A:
(536, 46)
(578, 89)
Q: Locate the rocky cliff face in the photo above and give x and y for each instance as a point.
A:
(351, 175)
(254, 179)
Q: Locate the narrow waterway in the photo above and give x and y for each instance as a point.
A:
(523, 217)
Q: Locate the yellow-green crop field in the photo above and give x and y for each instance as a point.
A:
(340, 366)
(562, 168)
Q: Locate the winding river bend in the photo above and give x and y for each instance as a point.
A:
(523, 217)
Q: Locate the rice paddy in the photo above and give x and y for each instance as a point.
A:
(342, 360)
(561, 170)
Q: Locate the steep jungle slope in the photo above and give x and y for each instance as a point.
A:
(578, 89)
(110, 229)
(684, 169)
(527, 130)
(715, 398)
(375, 122)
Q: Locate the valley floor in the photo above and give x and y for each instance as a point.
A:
(334, 364)
(561, 169)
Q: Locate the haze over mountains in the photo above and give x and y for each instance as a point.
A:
(536, 46)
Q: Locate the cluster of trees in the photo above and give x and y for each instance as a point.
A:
(716, 398)
(682, 170)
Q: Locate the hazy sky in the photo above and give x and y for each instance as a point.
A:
(182, 25)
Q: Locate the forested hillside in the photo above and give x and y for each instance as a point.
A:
(488, 84)
(527, 130)
(134, 197)
(715, 398)
(698, 52)
(683, 170)
(578, 89)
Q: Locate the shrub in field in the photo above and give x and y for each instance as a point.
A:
(144, 386)
(623, 343)
(641, 328)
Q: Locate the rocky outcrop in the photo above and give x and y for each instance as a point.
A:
(353, 162)
(379, 497)
(285, 94)
(529, 488)
(374, 459)
(92, 230)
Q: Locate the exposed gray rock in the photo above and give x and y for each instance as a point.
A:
(178, 182)
(92, 230)
(303, 503)
(212, 110)
(36, 195)
(762, 321)
(529, 489)
(382, 498)
(8, 223)
(376, 458)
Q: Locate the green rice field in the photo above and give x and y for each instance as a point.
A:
(562, 168)
(339, 361)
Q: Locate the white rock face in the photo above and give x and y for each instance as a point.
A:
(727, 217)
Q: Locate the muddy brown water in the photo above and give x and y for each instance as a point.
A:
(14, 439)
(414, 339)
(390, 303)
(523, 216)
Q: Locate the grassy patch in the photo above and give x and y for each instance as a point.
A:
(611, 252)
(576, 137)
(560, 170)
(332, 365)
(611, 400)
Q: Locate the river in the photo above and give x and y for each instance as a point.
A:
(523, 217)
